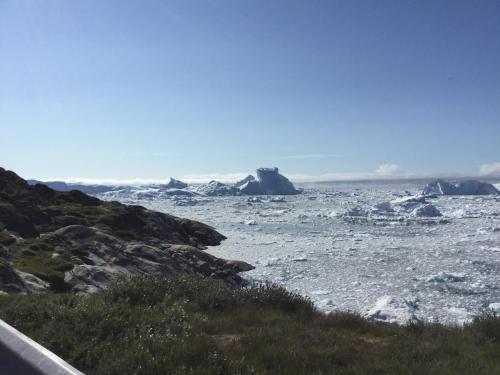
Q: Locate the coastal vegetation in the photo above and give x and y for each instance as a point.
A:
(199, 325)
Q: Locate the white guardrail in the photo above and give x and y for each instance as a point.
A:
(20, 355)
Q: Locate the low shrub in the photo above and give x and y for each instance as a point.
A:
(195, 325)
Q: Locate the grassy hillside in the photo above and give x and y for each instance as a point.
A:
(201, 326)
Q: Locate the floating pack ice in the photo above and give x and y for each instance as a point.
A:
(384, 207)
(356, 212)
(444, 277)
(179, 192)
(215, 189)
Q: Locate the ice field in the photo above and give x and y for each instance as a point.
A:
(366, 247)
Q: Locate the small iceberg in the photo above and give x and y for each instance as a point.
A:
(427, 210)
(392, 309)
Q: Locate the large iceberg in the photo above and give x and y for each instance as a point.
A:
(175, 184)
(251, 188)
(469, 187)
(269, 182)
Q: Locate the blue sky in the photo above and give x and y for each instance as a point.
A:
(149, 89)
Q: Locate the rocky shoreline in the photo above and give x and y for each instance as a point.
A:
(72, 242)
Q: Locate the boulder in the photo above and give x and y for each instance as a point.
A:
(32, 283)
(10, 281)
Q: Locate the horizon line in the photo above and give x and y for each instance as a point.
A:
(295, 178)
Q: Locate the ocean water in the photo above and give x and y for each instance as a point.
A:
(445, 268)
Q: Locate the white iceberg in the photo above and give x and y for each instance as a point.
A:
(392, 309)
(427, 210)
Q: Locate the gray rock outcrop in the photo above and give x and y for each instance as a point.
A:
(71, 242)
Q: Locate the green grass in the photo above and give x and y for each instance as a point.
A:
(36, 256)
(193, 325)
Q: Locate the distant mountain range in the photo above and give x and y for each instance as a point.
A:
(63, 186)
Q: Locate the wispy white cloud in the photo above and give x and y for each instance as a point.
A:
(388, 169)
(311, 156)
(489, 169)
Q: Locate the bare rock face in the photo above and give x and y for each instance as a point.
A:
(10, 281)
(69, 241)
(469, 187)
(114, 258)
